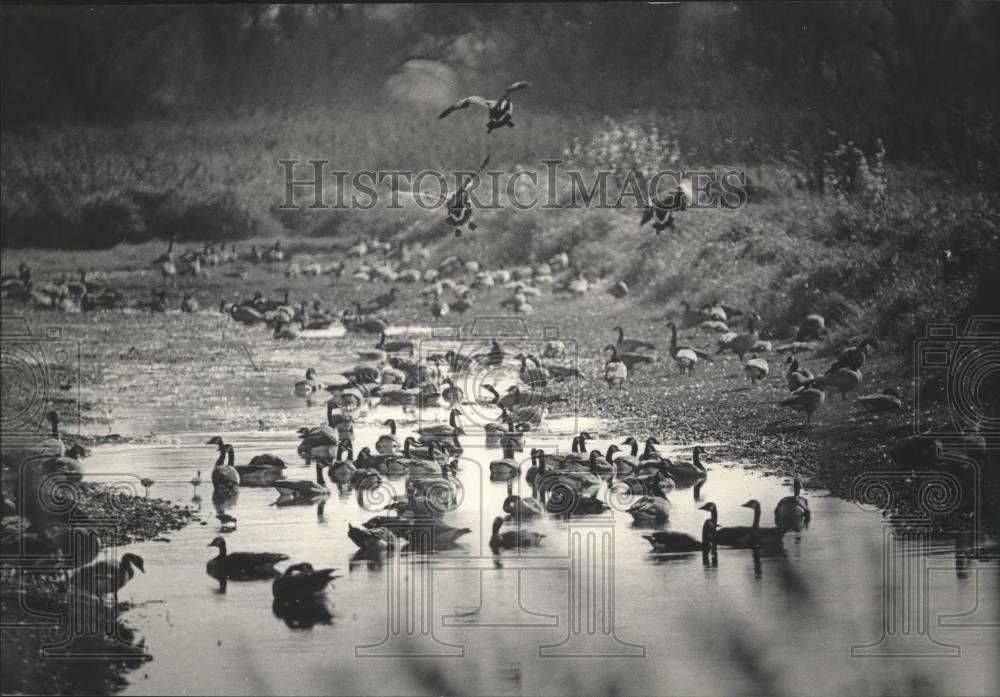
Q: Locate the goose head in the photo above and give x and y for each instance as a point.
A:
(220, 543)
(753, 504)
(128, 561)
(216, 440)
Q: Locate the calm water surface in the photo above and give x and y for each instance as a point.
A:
(679, 626)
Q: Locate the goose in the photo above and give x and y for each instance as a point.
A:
(688, 472)
(303, 488)
(379, 303)
(512, 539)
(742, 344)
(245, 314)
(383, 463)
(626, 345)
(241, 564)
(196, 480)
(463, 304)
(813, 328)
(227, 522)
(670, 542)
(615, 370)
(344, 468)
(598, 464)
(519, 508)
(756, 369)
(886, 400)
(499, 110)
(262, 470)
(686, 357)
(506, 468)
(388, 443)
(765, 538)
(631, 360)
(853, 358)
(792, 512)
(225, 477)
(515, 397)
(653, 508)
(842, 379)
(544, 479)
(301, 583)
(374, 541)
(808, 398)
(394, 346)
(663, 209)
(414, 532)
(451, 428)
(453, 394)
(533, 377)
(308, 386)
(733, 536)
(319, 443)
(797, 377)
(451, 447)
(649, 453)
(189, 304)
(419, 459)
(618, 289)
(102, 577)
(285, 330)
(625, 463)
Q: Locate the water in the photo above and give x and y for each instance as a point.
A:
(680, 626)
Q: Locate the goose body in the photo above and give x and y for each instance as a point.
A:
(763, 538)
(499, 110)
(654, 509)
(225, 476)
(688, 472)
(374, 541)
(615, 371)
(388, 444)
(853, 358)
(262, 470)
(808, 399)
(842, 380)
(797, 377)
(626, 345)
(792, 512)
(301, 583)
(103, 577)
(241, 564)
(303, 488)
(512, 539)
(668, 541)
(506, 468)
(756, 369)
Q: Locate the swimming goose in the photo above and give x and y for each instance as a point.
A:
(452, 427)
(853, 358)
(887, 400)
(598, 464)
(734, 536)
(388, 443)
(652, 508)
(318, 443)
(756, 369)
(797, 377)
(688, 472)
(669, 542)
(808, 398)
(102, 577)
(225, 476)
(546, 479)
(842, 379)
(792, 512)
(764, 538)
(262, 470)
(518, 507)
(375, 541)
(512, 539)
(241, 564)
(301, 583)
(625, 463)
(626, 345)
(303, 488)
(506, 468)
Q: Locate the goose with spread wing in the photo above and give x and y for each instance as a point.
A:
(499, 110)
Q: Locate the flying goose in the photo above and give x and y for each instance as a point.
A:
(499, 110)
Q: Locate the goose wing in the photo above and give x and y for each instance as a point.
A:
(519, 85)
(463, 103)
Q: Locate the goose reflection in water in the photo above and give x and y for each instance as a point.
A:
(303, 615)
